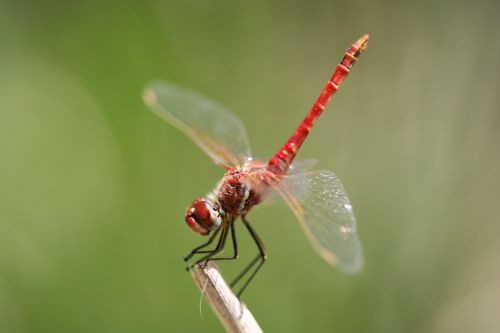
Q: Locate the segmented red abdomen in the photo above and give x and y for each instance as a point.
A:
(281, 161)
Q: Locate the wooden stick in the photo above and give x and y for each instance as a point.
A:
(233, 314)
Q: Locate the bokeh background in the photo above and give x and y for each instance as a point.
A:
(93, 186)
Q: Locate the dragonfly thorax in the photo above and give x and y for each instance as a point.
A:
(203, 216)
(242, 188)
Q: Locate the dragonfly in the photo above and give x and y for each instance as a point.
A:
(317, 198)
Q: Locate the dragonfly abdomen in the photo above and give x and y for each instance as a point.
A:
(282, 160)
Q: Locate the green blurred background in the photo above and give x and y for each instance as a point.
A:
(93, 186)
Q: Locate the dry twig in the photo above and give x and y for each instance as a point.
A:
(233, 314)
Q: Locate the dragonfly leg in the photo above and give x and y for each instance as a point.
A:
(198, 249)
(218, 248)
(259, 260)
(245, 271)
(235, 246)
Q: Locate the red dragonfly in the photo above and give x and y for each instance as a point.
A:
(317, 198)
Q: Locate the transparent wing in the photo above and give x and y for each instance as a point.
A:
(215, 129)
(298, 166)
(302, 166)
(320, 203)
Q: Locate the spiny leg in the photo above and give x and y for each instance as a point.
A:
(235, 246)
(245, 271)
(262, 257)
(218, 248)
(196, 250)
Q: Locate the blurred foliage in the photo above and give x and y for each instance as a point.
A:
(93, 187)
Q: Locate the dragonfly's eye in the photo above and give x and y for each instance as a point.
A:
(200, 217)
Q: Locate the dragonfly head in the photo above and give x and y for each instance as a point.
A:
(203, 217)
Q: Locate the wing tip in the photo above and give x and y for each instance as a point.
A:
(149, 96)
(354, 267)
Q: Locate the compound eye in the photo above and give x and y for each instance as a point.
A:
(199, 217)
(191, 222)
(201, 210)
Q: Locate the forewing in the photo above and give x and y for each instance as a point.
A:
(320, 203)
(215, 129)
